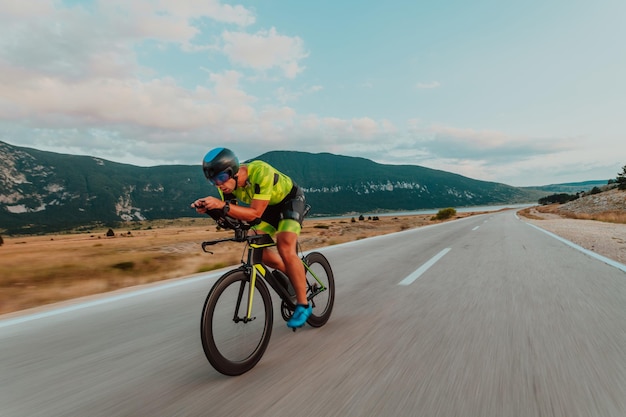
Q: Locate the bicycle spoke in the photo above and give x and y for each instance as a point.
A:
(232, 342)
(320, 288)
(237, 338)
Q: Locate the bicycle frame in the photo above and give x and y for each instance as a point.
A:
(234, 347)
(255, 267)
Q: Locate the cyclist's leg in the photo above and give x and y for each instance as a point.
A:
(270, 257)
(288, 230)
(286, 243)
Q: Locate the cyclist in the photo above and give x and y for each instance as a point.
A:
(274, 201)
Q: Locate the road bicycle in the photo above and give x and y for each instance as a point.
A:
(237, 317)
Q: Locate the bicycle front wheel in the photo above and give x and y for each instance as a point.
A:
(234, 343)
(320, 288)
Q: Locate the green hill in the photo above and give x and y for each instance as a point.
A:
(45, 192)
(339, 184)
(571, 187)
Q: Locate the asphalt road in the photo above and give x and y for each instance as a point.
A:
(484, 316)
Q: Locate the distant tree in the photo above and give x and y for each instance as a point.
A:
(446, 213)
(1, 241)
(621, 179)
(361, 218)
(557, 198)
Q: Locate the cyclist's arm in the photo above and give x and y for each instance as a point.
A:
(248, 214)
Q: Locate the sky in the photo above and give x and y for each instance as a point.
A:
(517, 92)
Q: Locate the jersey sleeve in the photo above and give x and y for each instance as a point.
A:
(262, 179)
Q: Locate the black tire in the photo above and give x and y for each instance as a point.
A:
(232, 345)
(322, 302)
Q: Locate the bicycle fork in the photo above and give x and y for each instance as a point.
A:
(252, 273)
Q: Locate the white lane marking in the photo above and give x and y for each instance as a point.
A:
(611, 262)
(105, 300)
(415, 275)
(476, 228)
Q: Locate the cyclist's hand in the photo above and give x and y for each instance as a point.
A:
(199, 205)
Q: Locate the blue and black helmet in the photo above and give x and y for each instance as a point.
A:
(220, 160)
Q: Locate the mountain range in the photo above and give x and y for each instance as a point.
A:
(571, 187)
(48, 192)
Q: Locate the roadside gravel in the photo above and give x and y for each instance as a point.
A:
(606, 239)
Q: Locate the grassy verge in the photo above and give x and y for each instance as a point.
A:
(610, 216)
(38, 270)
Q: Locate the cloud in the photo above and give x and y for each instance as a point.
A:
(487, 145)
(482, 154)
(76, 80)
(171, 20)
(16, 9)
(365, 127)
(265, 50)
(283, 95)
(77, 67)
(159, 103)
(192, 9)
(46, 39)
(429, 85)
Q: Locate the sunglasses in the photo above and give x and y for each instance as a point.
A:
(220, 178)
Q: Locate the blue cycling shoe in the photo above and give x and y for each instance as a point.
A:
(300, 316)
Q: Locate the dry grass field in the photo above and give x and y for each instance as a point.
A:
(555, 211)
(607, 207)
(38, 270)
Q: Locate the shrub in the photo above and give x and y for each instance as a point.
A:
(124, 266)
(1, 241)
(446, 213)
(621, 179)
(557, 198)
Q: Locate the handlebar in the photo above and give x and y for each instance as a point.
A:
(240, 228)
(215, 242)
(241, 235)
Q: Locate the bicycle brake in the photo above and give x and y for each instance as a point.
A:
(204, 245)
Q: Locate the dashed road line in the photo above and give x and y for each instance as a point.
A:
(415, 275)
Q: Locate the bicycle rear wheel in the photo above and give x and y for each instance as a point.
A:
(320, 288)
(232, 343)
